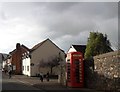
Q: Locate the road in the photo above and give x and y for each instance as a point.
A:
(21, 83)
(15, 85)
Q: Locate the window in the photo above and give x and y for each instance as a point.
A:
(27, 68)
(30, 56)
(23, 67)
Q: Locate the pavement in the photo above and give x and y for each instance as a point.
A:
(52, 85)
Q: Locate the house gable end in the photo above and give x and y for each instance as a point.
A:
(71, 49)
(40, 44)
(77, 48)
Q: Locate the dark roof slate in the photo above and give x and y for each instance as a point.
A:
(38, 45)
(80, 48)
(21, 46)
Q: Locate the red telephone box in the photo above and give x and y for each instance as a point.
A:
(75, 69)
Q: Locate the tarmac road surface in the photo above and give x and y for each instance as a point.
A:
(22, 83)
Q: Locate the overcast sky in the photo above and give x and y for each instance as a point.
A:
(68, 23)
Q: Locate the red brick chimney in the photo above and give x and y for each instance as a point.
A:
(18, 46)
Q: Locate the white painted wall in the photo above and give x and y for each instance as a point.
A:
(26, 64)
(4, 63)
(72, 49)
(9, 61)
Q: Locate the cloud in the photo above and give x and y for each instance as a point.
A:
(64, 23)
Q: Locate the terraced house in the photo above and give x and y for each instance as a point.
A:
(16, 58)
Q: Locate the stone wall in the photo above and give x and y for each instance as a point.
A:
(103, 72)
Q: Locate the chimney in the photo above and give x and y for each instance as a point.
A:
(18, 46)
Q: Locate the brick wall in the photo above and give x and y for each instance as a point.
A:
(16, 58)
(17, 61)
(103, 73)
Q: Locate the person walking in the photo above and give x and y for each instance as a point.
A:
(41, 77)
(6, 69)
(10, 71)
(47, 76)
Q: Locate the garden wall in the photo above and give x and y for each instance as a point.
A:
(103, 72)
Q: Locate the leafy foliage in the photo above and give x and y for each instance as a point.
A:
(97, 44)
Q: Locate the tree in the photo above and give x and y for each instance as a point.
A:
(97, 44)
(53, 62)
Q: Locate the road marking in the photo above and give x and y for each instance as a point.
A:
(29, 84)
(25, 82)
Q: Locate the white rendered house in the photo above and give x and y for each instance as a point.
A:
(26, 66)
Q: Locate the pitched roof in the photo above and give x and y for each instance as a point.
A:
(25, 47)
(3, 56)
(38, 45)
(41, 43)
(21, 46)
(80, 48)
